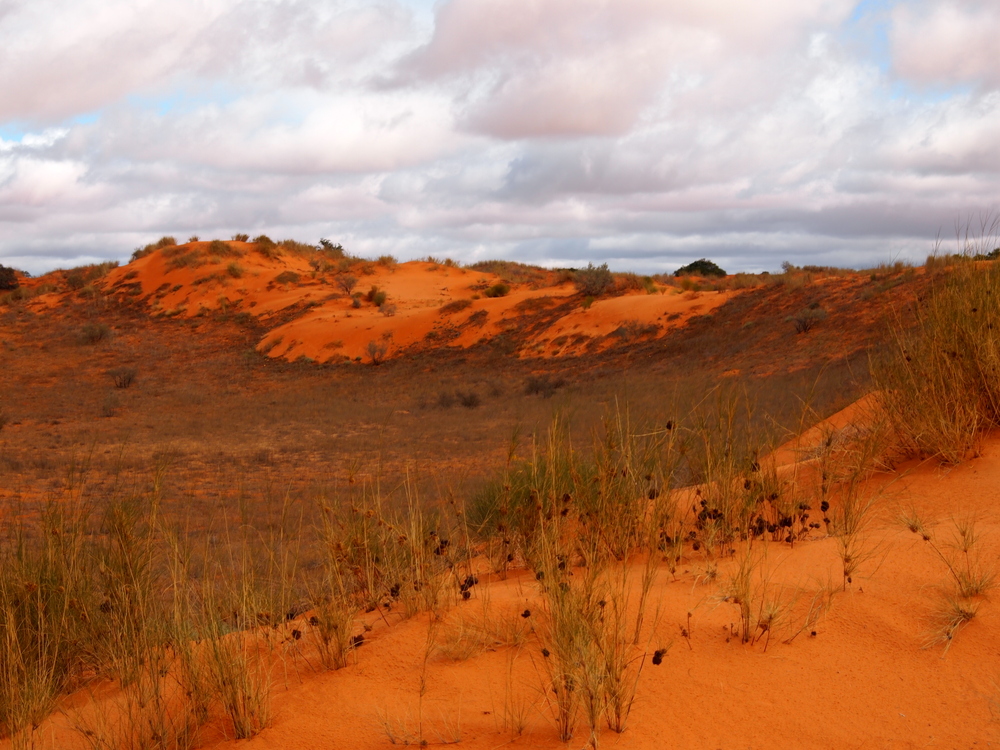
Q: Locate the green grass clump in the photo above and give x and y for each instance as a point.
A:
(497, 290)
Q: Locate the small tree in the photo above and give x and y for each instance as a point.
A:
(347, 283)
(8, 279)
(701, 267)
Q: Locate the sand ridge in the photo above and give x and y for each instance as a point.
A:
(309, 315)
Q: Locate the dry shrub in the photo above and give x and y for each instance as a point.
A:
(455, 306)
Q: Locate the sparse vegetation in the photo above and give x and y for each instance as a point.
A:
(94, 333)
(123, 377)
(455, 306)
(593, 281)
(939, 383)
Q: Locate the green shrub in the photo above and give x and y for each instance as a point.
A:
(497, 290)
(235, 270)
(387, 261)
(240, 237)
(287, 277)
(593, 281)
(701, 267)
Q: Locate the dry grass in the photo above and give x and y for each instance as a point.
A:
(939, 384)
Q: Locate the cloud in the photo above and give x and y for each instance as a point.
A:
(947, 42)
(639, 132)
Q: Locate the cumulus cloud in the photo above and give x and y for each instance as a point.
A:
(639, 132)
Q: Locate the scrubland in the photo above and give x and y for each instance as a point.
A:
(769, 521)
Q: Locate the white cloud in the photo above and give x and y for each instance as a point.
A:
(637, 131)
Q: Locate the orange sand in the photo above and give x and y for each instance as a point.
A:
(861, 676)
(312, 317)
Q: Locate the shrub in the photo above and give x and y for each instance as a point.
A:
(235, 270)
(240, 237)
(806, 319)
(510, 271)
(593, 281)
(387, 261)
(376, 351)
(455, 306)
(376, 296)
(388, 310)
(141, 252)
(287, 277)
(628, 282)
(262, 239)
(701, 267)
(469, 400)
(347, 283)
(123, 376)
(75, 280)
(299, 248)
(543, 385)
(334, 249)
(222, 249)
(193, 238)
(94, 333)
(8, 279)
(497, 290)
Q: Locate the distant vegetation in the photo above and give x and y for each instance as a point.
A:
(700, 267)
(8, 279)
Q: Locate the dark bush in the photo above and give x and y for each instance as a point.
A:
(287, 277)
(701, 267)
(94, 333)
(469, 400)
(497, 290)
(240, 237)
(543, 385)
(8, 279)
(593, 281)
(123, 376)
(806, 319)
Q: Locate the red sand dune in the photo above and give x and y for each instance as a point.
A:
(325, 326)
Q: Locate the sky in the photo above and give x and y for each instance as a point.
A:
(641, 133)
